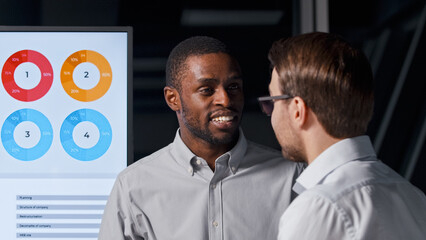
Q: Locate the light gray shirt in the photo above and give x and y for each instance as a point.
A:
(173, 194)
(346, 193)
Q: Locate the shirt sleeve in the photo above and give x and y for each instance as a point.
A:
(311, 216)
(117, 223)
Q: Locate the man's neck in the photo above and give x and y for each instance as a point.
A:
(317, 142)
(206, 150)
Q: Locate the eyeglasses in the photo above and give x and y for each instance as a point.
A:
(267, 103)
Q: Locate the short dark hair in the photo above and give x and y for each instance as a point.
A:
(193, 46)
(333, 78)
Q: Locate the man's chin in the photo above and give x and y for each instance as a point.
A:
(225, 138)
(216, 136)
(293, 155)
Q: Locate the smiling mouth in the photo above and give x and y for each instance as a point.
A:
(222, 119)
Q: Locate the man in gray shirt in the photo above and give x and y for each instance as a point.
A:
(210, 182)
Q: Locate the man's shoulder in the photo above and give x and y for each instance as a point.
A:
(359, 178)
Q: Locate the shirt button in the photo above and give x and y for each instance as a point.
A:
(215, 224)
(190, 170)
(198, 162)
(213, 186)
(233, 169)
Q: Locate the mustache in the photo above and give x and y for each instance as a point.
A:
(224, 112)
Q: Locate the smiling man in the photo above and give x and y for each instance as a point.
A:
(210, 182)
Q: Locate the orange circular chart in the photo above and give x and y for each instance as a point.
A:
(27, 75)
(86, 75)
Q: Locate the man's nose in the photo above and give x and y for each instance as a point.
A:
(222, 97)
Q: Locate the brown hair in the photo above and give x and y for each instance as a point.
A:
(332, 77)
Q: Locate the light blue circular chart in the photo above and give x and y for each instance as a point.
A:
(22, 151)
(72, 143)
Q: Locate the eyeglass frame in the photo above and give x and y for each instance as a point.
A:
(271, 99)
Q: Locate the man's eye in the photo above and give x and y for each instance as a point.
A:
(206, 90)
(234, 87)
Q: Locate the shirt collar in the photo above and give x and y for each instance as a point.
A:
(237, 152)
(185, 157)
(344, 151)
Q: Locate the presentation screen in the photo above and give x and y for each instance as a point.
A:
(65, 121)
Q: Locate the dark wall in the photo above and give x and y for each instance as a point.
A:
(383, 29)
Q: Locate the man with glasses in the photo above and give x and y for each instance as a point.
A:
(210, 183)
(321, 103)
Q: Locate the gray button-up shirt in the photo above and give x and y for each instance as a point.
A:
(346, 193)
(173, 194)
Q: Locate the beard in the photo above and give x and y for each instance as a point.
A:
(196, 128)
(291, 144)
(293, 153)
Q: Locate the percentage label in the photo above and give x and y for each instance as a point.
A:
(15, 150)
(45, 133)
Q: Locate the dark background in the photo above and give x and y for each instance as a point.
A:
(390, 32)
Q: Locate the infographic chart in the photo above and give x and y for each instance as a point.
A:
(27, 75)
(64, 128)
(27, 134)
(86, 75)
(86, 134)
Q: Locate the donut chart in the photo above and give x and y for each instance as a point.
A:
(42, 80)
(73, 143)
(12, 128)
(103, 77)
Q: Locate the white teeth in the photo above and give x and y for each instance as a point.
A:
(223, 118)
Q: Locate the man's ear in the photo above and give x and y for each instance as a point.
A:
(299, 111)
(171, 95)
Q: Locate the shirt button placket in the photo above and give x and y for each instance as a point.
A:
(215, 208)
(215, 199)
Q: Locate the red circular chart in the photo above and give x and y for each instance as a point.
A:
(43, 81)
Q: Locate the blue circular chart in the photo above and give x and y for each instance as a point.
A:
(26, 134)
(86, 134)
